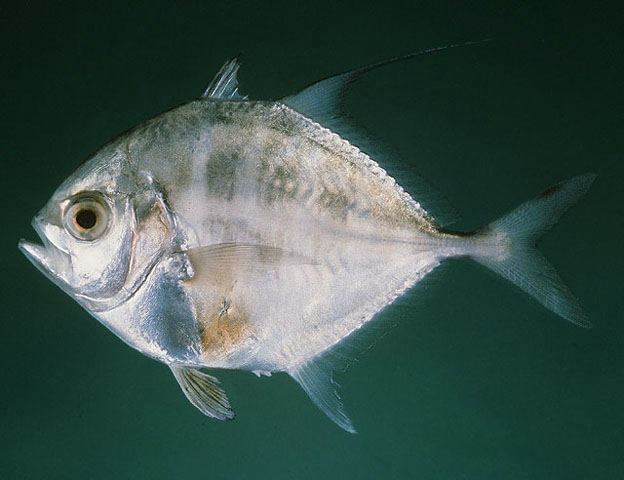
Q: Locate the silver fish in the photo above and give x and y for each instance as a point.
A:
(238, 234)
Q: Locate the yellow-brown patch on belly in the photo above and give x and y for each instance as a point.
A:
(223, 327)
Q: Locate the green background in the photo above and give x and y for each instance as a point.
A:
(476, 381)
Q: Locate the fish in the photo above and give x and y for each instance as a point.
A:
(230, 233)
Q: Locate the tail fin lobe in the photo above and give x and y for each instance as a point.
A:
(520, 262)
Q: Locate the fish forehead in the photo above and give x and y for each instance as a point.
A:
(102, 170)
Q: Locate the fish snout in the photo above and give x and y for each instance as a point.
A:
(48, 256)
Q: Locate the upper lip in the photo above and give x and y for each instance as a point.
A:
(44, 256)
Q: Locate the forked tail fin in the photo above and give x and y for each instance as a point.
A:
(507, 246)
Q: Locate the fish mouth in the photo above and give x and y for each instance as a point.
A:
(54, 263)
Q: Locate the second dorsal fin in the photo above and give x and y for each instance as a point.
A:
(321, 100)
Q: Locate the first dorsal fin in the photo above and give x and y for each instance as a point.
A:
(321, 100)
(317, 381)
(203, 392)
(225, 83)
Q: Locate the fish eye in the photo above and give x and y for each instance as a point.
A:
(87, 216)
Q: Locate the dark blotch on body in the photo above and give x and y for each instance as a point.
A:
(222, 173)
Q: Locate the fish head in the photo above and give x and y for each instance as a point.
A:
(88, 231)
(110, 241)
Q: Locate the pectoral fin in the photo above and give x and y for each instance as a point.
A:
(203, 391)
(219, 262)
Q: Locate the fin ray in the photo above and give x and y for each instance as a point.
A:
(225, 83)
(203, 392)
(318, 383)
(321, 100)
(316, 375)
(512, 254)
(222, 259)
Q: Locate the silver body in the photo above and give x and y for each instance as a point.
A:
(243, 172)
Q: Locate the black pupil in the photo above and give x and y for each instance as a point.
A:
(86, 218)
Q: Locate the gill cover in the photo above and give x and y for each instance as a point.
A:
(148, 224)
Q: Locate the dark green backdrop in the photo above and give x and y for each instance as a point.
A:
(475, 382)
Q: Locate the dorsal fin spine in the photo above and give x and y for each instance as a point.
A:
(225, 83)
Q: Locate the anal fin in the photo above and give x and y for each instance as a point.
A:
(203, 392)
(318, 383)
